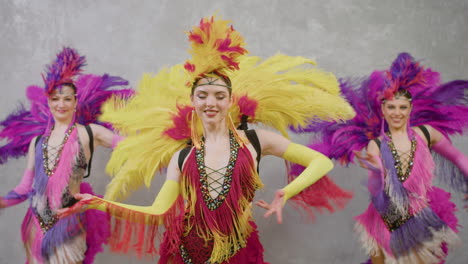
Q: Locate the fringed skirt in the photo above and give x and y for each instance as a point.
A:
(77, 238)
(64, 242)
(423, 238)
(196, 250)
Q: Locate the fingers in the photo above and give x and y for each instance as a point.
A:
(83, 196)
(64, 212)
(263, 204)
(279, 215)
(277, 211)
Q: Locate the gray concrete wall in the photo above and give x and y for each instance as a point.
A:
(128, 38)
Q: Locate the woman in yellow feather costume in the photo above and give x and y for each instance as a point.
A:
(185, 118)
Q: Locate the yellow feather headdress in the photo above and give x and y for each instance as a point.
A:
(215, 47)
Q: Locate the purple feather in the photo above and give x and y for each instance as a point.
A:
(93, 91)
(63, 231)
(442, 106)
(20, 127)
(67, 65)
(415, 231)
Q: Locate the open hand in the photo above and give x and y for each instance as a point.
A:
(79, 207)
(366, 161)
(275, 207)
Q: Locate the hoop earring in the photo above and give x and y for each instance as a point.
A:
(232, 127)
(194, 131)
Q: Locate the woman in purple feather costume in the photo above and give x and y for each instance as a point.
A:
(403, 115)
(59, 146)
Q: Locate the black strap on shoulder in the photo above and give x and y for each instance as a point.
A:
(182, 155)
(253, 138)
(251, 135)
(426, 134)
(377, 141)
(91, 148)
(37, 140)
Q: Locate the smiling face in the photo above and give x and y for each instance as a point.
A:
(397, 111)
(62, 103)
(211, 100)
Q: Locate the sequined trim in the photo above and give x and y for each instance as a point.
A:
(46, 224)
(187, 260)
(393, 220)
(402, 175)
(45, 155)
(211, 203)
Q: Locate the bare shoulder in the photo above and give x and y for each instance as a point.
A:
(434, 134)
(373, 148)
(272, 143)
(173, 171)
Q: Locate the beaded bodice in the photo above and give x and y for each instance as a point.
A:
(404, 161)
(41, 205)
(214, 181)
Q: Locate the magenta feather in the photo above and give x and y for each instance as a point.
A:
(93, 91)
(67, 65)
(443, 106)
(20, 127)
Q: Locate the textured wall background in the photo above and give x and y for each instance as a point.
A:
(127, 38)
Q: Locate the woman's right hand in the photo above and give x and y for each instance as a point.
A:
(366, 161)
(79, 207)
(2, 203)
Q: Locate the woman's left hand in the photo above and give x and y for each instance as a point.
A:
(275, 207)
(78, 207)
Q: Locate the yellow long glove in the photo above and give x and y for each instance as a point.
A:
(317, 165)
(133, 213)
(164, 200)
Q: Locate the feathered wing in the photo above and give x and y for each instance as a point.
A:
(284, 91)
(93, 91)
(21, 126)
(144, 119)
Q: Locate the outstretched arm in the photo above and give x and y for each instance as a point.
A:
(317, 165)
(368, 159)
(444, 147)
(22, 190)
(148, 214)
(105, 137)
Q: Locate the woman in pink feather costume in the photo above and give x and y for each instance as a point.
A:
(59, 150)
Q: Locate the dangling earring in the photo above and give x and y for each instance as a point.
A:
(194, 131)
(232, 127)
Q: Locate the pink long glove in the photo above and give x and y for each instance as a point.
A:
(447, 150)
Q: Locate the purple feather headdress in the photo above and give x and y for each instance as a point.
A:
(21, 126)
(67, 65)
(443, 106)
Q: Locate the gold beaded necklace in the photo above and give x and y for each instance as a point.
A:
(402, 174)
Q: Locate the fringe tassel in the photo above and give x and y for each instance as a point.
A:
(228, 225)
(194, 131)
(136, 231)
(233, 128)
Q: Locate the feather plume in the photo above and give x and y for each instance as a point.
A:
(215, 46)
(66, 66)
(443, 106)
